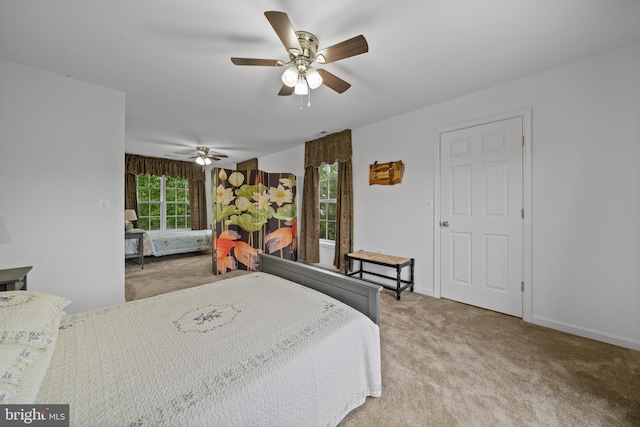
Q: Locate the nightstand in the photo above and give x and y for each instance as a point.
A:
(140, 255)
(14, 279)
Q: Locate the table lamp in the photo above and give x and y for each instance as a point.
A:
(129, 216)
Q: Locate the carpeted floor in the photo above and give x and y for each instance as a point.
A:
(450, 364)
(170, 273)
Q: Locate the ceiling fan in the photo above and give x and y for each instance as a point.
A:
(302, 48)
(204, 156)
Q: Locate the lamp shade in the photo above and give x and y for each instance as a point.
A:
(4, 233)
(313, 78)
(290, 76)
(130, 215)
(301, 87)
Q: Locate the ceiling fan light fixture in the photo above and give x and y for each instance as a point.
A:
(203, 161)
(313, 78)
(302, 47)
(290, 76)
(301, 87)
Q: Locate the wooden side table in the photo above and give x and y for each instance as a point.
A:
(140, 255)
(385, 260)
(14, 279)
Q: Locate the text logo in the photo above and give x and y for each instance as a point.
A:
(35, 415)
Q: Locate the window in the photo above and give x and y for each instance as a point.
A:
(163, 203)
(328, 191)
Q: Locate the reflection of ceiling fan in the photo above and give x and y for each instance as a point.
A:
(205, 156)
(303, 50)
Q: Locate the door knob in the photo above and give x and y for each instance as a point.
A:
(444, 223)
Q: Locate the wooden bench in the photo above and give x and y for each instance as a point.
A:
(385, 260)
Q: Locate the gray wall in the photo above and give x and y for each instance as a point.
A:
(61, 152)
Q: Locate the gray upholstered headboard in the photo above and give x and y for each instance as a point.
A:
(363, 296)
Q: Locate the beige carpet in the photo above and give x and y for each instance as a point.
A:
(166, 274)
(449, 364)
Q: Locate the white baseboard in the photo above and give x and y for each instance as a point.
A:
(587, 333)
(423, 291)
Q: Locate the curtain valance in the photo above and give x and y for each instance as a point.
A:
(247, 165)
(328, 149)
(138, 165)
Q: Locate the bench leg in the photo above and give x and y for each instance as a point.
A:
(413, 261)
(399, 282)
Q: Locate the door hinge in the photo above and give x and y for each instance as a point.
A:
(523, 140)
(522, 213)
(522, 286)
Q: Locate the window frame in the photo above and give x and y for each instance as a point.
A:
(163, 203)
(331, 171)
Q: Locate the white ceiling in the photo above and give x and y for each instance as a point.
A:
(172, 59)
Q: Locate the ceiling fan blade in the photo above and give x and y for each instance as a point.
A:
(352, 47)
(285, 90)
(265, 62)
(335, 83)
(217, 156)
(283, 28)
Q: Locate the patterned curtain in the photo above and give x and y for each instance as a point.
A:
(344, 215)
(309, 248)
(328, 149)
(247, 165)
(198, 205)
(130, 196)
(137, 165)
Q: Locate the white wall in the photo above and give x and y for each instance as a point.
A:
(586, 190)
(61, 151)
(282, 162)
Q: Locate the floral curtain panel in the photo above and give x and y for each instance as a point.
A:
(253, 212)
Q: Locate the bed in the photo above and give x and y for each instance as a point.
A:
(258, 349)
(160, 243)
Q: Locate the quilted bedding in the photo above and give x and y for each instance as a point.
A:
(160, 243)
(251, 350)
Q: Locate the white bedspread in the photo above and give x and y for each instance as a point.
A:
(251, 350)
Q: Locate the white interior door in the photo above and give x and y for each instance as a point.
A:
(480, 215)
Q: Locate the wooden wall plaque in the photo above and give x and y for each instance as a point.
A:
(386, 173)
